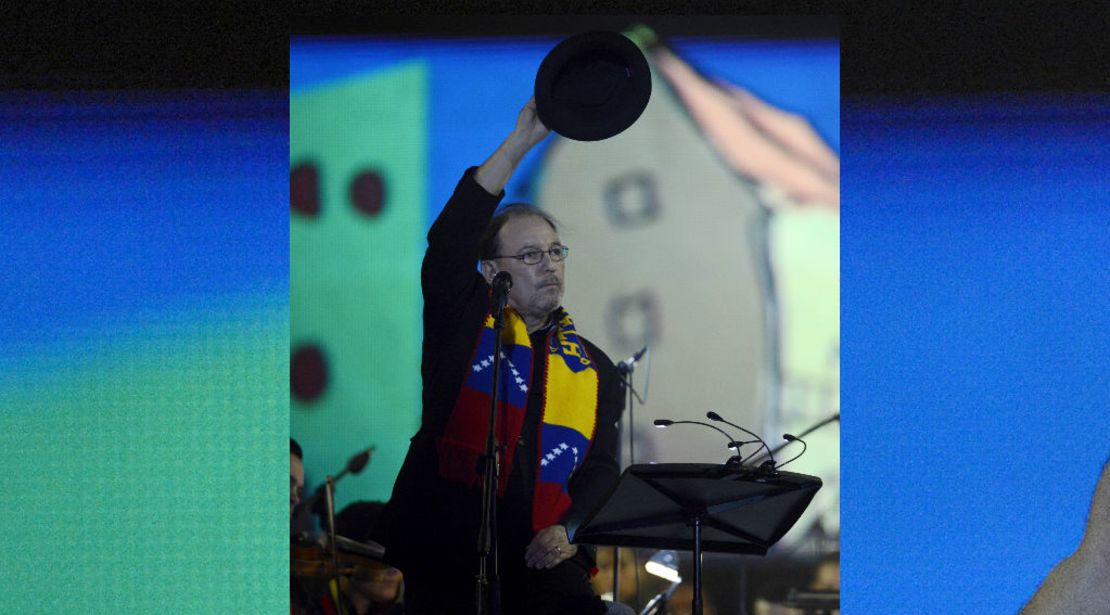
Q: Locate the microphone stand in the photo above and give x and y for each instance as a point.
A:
(487, 587)
(329, 499)
(625, 369)
(809, 430)
(658, 604)
(354, 465)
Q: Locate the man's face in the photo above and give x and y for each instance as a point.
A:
(537, 289)
(296, 481)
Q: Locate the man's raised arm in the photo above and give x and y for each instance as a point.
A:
(496, 170)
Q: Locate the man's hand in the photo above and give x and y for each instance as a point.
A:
(549, 548)
(529, 129)
(496, 170)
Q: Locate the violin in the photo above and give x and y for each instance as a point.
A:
(356, 560)
(363, 578)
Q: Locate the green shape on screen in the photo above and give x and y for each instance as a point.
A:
(355, 272)
(137, 457)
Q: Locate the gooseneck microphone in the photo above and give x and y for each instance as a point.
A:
(790, 438)
(501, 284)
(732, 444)
(713, 416)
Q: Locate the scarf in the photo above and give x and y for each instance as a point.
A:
(567, 425)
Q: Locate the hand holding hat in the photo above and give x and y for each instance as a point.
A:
(529, 127)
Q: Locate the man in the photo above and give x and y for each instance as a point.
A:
(560, 398)
(305, 598)
(1081, 582)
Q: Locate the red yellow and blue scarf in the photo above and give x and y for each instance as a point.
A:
(567, 425)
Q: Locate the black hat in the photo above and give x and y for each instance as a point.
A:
(592, 86)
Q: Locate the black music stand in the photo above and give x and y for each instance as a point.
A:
(813, 602)
(696, 506)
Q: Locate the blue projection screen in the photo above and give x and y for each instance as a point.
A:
(143, 351)
(976, 383)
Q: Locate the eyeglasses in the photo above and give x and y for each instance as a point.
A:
(533, 257)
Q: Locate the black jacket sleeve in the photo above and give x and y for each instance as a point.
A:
(456, 297)
(449, 276)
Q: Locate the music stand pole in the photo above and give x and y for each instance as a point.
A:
(488, 588)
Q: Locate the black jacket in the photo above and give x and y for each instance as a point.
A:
(425, 513)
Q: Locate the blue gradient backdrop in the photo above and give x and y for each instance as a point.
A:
(144, 344)
(975, 251)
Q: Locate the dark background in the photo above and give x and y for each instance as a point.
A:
(885, 51)
(129, 46)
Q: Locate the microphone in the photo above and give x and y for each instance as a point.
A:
(713, 416)
(625, 366)
(732, 444)
(501, 284)
(357, 463)
(833, 418)
(790, 438)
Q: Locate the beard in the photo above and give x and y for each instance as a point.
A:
(548, 299)
(545, 300)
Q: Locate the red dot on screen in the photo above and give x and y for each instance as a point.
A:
(304, 189)
(368, 193)
(308, 372)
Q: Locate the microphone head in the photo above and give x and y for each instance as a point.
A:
(713, 416)
(357, 463)
(503, 279)
(663, 422)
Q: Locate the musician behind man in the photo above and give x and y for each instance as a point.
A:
(367, 587)
(305, 598)
(296, 475)
(561, 399)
